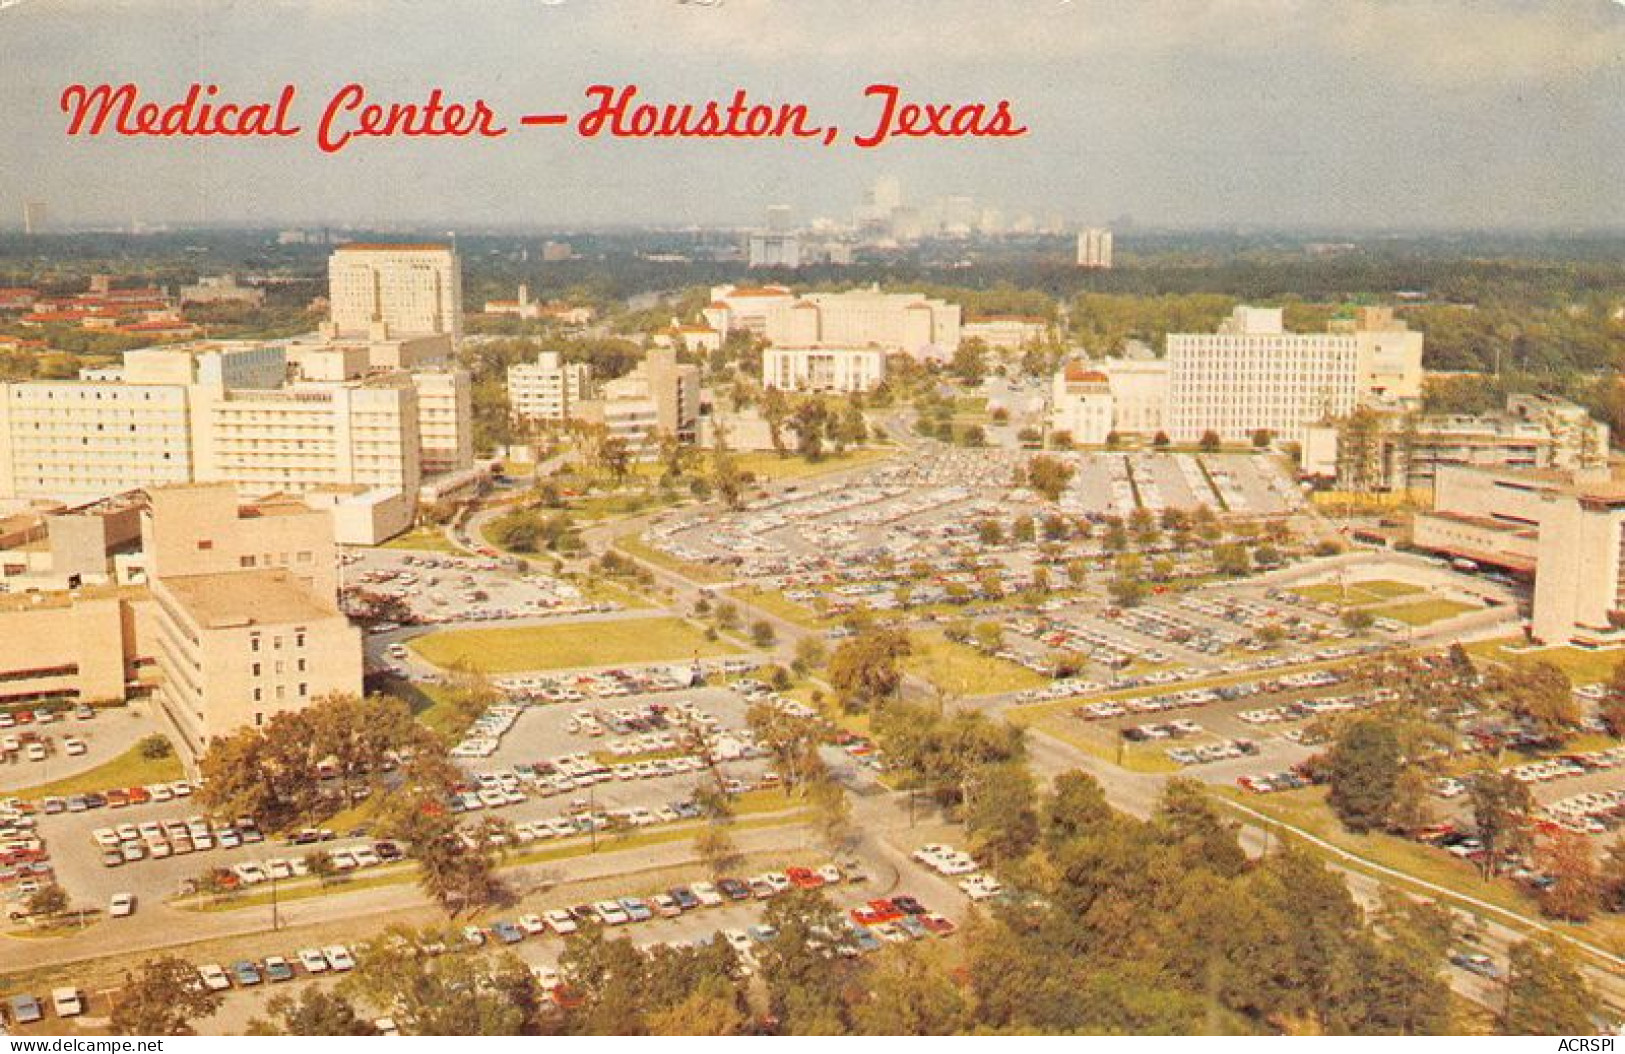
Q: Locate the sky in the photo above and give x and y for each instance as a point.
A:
(1327, 114)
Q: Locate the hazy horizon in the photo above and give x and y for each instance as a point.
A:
(1260, 115)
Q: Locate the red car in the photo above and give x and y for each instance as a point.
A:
(938, 925)
(139, 795)
(804, 878)
(117, 799)
(878, 911)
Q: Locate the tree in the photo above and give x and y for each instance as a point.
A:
(1262, 438)
(1501, 806)
(1049, 476)
(162, 997)
(969, 362)
(1365, 768)
(866, 668)
(1232, 559)
(716, 849)
(1546, 994)
(317, 1012)
(1002, 818)
(1540, 694)
(910, 996)
(1210, 442)
(1567, 859)
(808, 422)
(48, 900)
(1076, 806)
(1127, 591)
(761, 633)
(1357, 619)
(155, 747)
(446, 995)
(1612, 707)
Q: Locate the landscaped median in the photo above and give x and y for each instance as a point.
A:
(752, 814)
(129, 769)
(570, 645)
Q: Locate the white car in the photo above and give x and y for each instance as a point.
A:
(547, 977)
(611, 913)
(312, 960)
(214, 978)
(121, 906)
(981, 887)
(560, 922)
(706, 894)
(67, 1002)
(339, 958)
(533, 925)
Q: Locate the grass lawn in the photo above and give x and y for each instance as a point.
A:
(1422, 612)
(766, 465)
(1307, 810)
(1372, 592)
(774, 602)
(569, 645)
(430, 703)
(1136, 757)
(422, 539)
(963, 670)
(1583, 665)
(603, 590)
(129, 769)
(693, 572)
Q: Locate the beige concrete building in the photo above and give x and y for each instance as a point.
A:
(1005, 332)
(548, 389)
(83, 647)
(221, 289)
(246, 616)
(445, 420)
(911, 323)
(382, 290)
(661, 396)
(1567, 529)
(1081, 404)
(1092, 400)
(823, 368)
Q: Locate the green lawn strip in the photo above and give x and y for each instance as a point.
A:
(1583, 665)
(129, 769)
(430, 703)
(570, 645)
(405, 873)
(961, 669)
(774, 602)
(1136, 757)
(1306, 810)
(1032, 712)
(703, 573)
(766, 465)
(605, 591)
(1422, 612)
(421, 539)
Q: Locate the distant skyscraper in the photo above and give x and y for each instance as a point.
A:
(778, 218)
(767, 249)
(1095, 248)
(886, 196)
(35, 217)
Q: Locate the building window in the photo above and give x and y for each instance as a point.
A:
(254, 643)
(204, 544)
(256, 669)
(258, 692)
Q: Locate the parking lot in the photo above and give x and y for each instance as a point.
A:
(74, 741)
(439, 588)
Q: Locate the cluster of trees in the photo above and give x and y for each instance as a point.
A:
(1124, 926)
(531, 530)
(813, 421)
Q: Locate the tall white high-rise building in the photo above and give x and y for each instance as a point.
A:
(35, 217)
(382, 290)
(1253, 374)
(1095, 248)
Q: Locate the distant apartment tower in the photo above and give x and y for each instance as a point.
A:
(1254, 375)
(382, 290)
(1095, 248)
(35, 217)
(548, 389)
(771, 249)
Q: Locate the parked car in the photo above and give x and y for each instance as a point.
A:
(121, 906)
(213, 977)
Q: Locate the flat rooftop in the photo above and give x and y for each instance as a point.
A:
(247, 598)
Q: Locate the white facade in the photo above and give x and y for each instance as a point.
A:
(1081, 405)
(1095, 248)
(823, 369)
(384, 290)
(770, 249)
(1253, 374)
(911, 323)
(549, 388)
(445, 420)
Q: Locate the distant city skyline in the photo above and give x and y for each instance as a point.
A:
(1335, 114)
